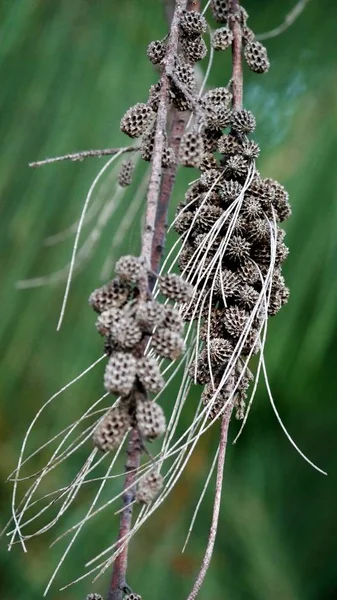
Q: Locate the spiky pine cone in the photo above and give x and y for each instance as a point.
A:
(136, 119)
(222, 38)
(243, 121)
(110, 432)
(256, 57)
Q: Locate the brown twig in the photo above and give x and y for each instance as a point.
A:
(118, 581)
(289, 19)
(237, 80)
(216, 506)
(84, 154)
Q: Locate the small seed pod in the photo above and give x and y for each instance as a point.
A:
(259, 231)
(220, 10)
(191, 149)
(130, 268)
(172, 319)
(238, 249)
(125, 174)
(215, 400)
(235, 320)
(222, 38)
(211, 137)
(94, 597)
(115, 293)
(168, 157)
(120, 373)
(194, 49)
(149, 374)
(243, 121)
(125, 332)
(183, 221)
(217, 116)
(156, 51)
(150, 419)
(136, 119)
(168, 344)
(184, 72)
(110, 432)
(132, 596)
(193, 23)
(106, 320)
(149, 486)
(149, 314)
(256, 57)
(230, 190)
(154, 96)
(199, 370)
(248, 35)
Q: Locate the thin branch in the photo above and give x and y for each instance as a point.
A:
(289, 19)
(216, 507)
(118, 580)
(84, 154)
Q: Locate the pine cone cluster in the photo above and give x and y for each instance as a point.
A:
(233, 249)
(128, 321)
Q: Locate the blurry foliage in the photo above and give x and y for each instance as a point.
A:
(68, 72)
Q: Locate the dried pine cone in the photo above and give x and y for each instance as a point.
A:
(191, 149)
(136, 119)
(132, 596)
(149, 374)
(156, 51)
(246, 297)
(194, 49)
(218, 95)
(125, 174)
(168, 344)
(150, 419)
(238, 249)
(193, 23)
(149, 314)
(130, 268)
(125, 332)
(120, 373)
(94, 597)
(107, 318)
(220, 350)
(110, 432)
(256, 57)
(115, 293)
(172, 319)
(230, 190)
(229, 144)
(175, 288)
(149, 486)
(220, 10)
(227, 284)
(222, 38)
(243, 121)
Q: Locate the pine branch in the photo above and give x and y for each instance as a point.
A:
(154, 197)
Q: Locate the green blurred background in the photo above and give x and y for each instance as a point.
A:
(69, 69)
